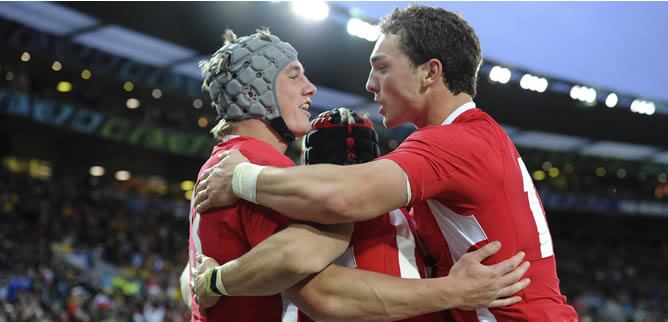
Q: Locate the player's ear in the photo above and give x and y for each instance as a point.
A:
(432, 72)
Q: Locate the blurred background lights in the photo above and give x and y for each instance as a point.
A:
(122, 175)
(202, 122)
(612, 100)
(96, 171)
(533, 83)
(500, 74)
(86, 74)
(56, 66)
(583, 93)
(132, 103)
(64, 87)
(187, 185)
(643, 107)
(553, 172)
(538, 175)
(363, 29)
(311, 10)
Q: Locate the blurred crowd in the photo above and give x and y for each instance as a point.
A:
(76, 252)
(596, 176)
(614, 281)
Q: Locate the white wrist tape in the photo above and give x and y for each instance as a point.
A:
(219, 282)
(244, 180)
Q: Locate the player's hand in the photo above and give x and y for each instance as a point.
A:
(215, 185)
(479, 285)
(186, 286)
(204, 297)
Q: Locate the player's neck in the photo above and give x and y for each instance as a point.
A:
(262, 131)
(441, 105)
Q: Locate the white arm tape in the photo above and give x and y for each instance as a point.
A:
(244, 180)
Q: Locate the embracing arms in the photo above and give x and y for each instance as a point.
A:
(320, 193)
(344, 294)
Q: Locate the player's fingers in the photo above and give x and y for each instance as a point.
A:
(194, 278)
(485, 251)
(204, 205)
(508, 265)
(514, 288)
(208, 262)
(504, 302)
(206, 174)
(515, 275)
(200, 197)
(224, 154)
(202, 185)
(201, 269)
(195, 273)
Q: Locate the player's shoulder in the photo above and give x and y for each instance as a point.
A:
(471, 125)
(257, 151)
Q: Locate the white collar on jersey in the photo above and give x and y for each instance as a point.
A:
(467, 106)
(229, 137)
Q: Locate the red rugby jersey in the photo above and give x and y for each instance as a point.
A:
(469, 187)
(227, 233)
(385, 244)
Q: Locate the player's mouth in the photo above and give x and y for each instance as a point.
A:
(304, 107)
(381, 110)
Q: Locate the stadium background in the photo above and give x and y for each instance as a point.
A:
(104, 127)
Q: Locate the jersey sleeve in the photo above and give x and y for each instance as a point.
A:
(447, 162)
(259, 222)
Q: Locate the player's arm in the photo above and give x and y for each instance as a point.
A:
(344, 294)
(184, 285)
(321, 193)
(279, 261)
(331, 193)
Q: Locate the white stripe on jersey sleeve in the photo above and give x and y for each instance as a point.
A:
(405, 245)
(484, 315)
(461, 232)
(290, 310)
(347, 259)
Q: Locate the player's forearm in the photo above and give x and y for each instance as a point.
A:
(283, 259)
(343, 294)
(332, 194)
(303, 193)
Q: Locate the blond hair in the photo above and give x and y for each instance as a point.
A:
(223, 128)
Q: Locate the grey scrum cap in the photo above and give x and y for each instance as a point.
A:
(249, 81)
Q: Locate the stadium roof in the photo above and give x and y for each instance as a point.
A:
(584, 42)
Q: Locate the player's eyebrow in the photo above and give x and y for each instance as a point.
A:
(376, 58)
(295, 69)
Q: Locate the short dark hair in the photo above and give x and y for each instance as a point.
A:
(426, 33)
